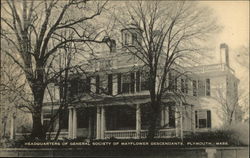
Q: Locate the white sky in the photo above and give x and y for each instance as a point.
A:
(234, 17)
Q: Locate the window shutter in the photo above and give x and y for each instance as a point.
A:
(207, 87)
(97, 84)
(119, 79)
(138, 82)
(194, 88)
(208, 119)
(88, 84)
(182, 85)
(110, 84)
(196, 119)
(186, 86)
(132, 85)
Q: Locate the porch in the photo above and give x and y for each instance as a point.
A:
(124, 122)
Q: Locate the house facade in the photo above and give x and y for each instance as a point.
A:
(110, 100)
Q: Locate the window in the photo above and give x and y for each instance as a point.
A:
(194, 88)
(208, 87)
(79, 86)
(201, 87)
(126, 81)
(203, 119)
(126, 39)
(47, 115)
(134, 39)
(173, 82)
(144, 81)
(184, 85)
(132, 82)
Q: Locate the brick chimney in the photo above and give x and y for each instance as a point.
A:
(224, 54)
(111, 43)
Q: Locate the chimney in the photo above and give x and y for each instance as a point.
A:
(224, 55)
(112, 46)
(111, 43)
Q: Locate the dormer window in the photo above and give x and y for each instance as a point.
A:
(134, 38)
(131, 36)
(126, 39)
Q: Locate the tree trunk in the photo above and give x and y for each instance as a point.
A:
(153, 121)
(38, 131)
(152, 126)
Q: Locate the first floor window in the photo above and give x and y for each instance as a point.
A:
(203, 119)
(47, 116)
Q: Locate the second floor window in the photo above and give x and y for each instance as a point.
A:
(132, 82)
(208, 87)
(79, 86)
(194, 88)
(126, 40)
(144, 81)
(134, 39)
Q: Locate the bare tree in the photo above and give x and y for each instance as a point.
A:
(32, 30)
(229, 105)
(171, 36)
(242, 59)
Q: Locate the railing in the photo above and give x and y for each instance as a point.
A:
(210, 68)
(120, 134)
(126, 134)
(52, 135)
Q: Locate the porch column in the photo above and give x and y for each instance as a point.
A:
(138, 121)
(177, 120)
(70, 124)
(192, 118)
(74, 123)
(166, 115)
(42, 117)
(98, 123)
(181, 120)
(12, 126)
(90, 127)
(103, 122)
(163, 116)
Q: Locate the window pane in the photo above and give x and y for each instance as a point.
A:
(202, 123)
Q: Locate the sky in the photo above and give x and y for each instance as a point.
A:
(234, 17)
